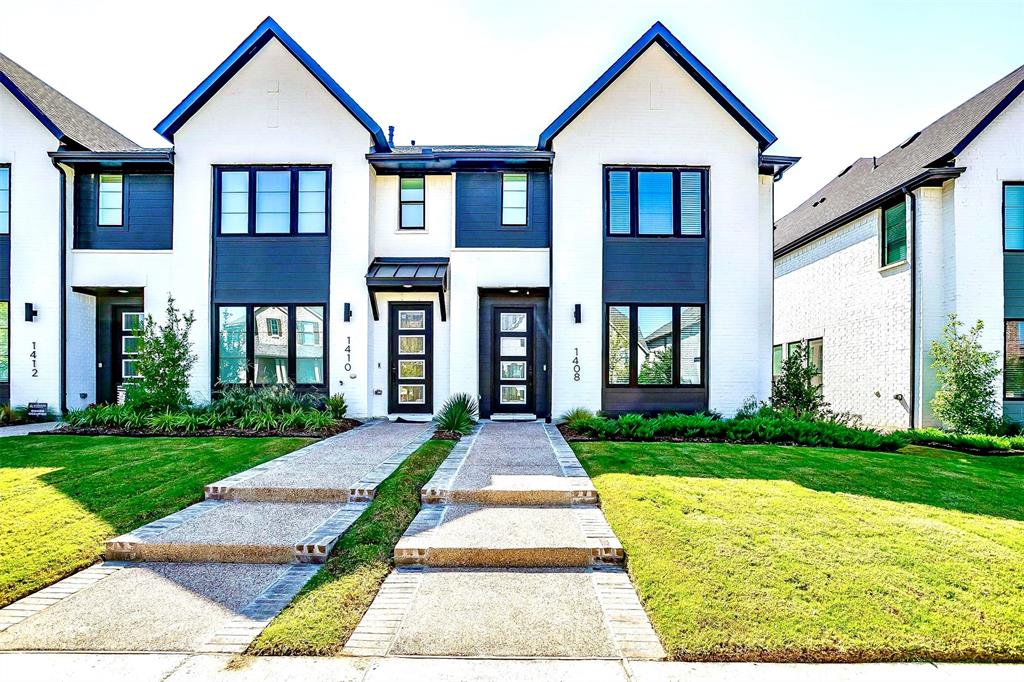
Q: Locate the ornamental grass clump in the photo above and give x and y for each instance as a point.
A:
(458, 414)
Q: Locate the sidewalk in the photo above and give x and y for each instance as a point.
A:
(73, 667)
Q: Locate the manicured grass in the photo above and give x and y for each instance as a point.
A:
(773, 553)
(326, 612)
(62, 496)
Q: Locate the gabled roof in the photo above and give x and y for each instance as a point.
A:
(266, 31)
(693, 66)
(67, 121)
(924, 156)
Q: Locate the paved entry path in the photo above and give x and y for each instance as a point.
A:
(510, 556)
(210, 577)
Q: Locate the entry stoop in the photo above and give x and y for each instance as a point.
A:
(508, 536)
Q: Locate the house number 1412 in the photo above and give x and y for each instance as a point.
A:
(35, 370)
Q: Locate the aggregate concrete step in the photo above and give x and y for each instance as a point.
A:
(240, 532)
(515, 488)
(506, 536)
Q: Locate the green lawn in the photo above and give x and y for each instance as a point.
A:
(62, 496)
(329, 607)
(803, 554)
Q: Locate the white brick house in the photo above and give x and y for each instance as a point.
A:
(869, 267)
(580, 271)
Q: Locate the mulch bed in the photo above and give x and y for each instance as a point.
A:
(342, 426)
(447, 435)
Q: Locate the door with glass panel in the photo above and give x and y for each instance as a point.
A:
(411, 358)
(127, 327)
(513, 361)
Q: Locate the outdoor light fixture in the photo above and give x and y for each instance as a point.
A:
(407, 286)
(30, 312)
(348, 312)
(513, 291)
(577, 313)
(122, 291)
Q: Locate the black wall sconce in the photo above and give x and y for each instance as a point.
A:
(348, 312)
(577, 313)
(30, 312)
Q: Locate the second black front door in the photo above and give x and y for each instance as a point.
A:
(513, 361)
(125, 328)
(411, 357)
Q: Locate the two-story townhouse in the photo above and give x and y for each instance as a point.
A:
(315, 252)
(869, 267)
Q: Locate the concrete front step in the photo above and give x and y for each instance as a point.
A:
(516, 490)
(239, 532)
(508, 536)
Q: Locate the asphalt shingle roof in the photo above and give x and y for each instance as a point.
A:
(72, 120)
(868, 179)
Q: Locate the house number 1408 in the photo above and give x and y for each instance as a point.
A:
(576, 364)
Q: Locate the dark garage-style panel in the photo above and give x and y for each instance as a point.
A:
(148, 213)
(478, 212)
(263, 269)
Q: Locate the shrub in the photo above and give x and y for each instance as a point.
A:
(162, 421)
(336, 405)
(458, 414)
(238, 401)
(575, 416)
(794, 390)
(164, 360)
(962, 441)
(966, 400)
(314, 420)
(262, 420)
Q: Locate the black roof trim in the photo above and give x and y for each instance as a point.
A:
(142, 156)
(775, 165)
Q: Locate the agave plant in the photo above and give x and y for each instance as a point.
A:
(458, 414)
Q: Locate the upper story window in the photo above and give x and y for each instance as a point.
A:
(514, 188)
(272, 200)
(111, 201)
(5, 199)
(412, 202)
(1013, 216)
(655, 202)
(894, 234)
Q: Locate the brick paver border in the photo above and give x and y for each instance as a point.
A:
(366, 488)
(626, 619)
(438, 489)
(376, 632)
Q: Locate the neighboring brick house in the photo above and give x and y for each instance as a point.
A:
(868, 268)
(317, 252)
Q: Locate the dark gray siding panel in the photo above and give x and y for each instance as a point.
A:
(655, 270)
(148, 210)
(621, 400)
(478, 212)
(1013, 285)
(5, 267)
(287, 269)
(541, 347)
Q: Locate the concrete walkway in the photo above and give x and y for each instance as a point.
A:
(27, 429)
(210, 577)
(510, 556)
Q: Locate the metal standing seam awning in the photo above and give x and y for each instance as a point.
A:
(407, 274)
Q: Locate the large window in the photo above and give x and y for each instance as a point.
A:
(894, 234)
(1013, 368)
(5, 199)
(513, 199)
(274, 200)
(5, 342)
(655, 345)
(111, 201)
(271, 344)
(815, 357)
(655, 202)
(1013, 216)
(412, 202)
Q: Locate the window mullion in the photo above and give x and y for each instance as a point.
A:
(252, 201)
(677, 347)
(676, 206)
(250, 344)
(293, 201)
(292, 326)
(634, 203)
(634, 334)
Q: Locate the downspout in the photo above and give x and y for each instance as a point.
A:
(912, 399)
(63, 284)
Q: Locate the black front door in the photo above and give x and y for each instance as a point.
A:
(126, 327)
(411, 357)
(513, 361)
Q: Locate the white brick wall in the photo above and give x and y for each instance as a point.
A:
(81, 349)
(685, 127)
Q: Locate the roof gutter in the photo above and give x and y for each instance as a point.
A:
(928, 177)
(142, 156)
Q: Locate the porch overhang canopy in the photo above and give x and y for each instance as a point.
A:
(407, 275)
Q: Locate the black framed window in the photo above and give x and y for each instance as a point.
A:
(110, 203)
(412, 194)
(272, 200)
(1013, 360)
(655, 201)
(1013, 216)
(777, 358)
(654, 345)
(271, 344)
(5, 199)
(514, 191)
(894, 234)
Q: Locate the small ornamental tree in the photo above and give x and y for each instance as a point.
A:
(794, 388)
(966, 400)
(164, 361)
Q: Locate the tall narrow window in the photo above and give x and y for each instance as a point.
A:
(654, 346)
(412, 199)
(309, 345)
(776, 361)
(690, 345)
(111, 201)
(312, 202)
(618, 202)
(618, 345)
(654, 203)
(894, 234)
(815, 358)
(5, 342)
(234, 202)
(232, 345)
(691, 203)
(5, 200)
(1013, 216)
(1013, 371)
(270, 346)
(513, 198)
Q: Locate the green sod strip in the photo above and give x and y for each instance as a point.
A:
(327, 610)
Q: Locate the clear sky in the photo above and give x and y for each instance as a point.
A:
(835, 81)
